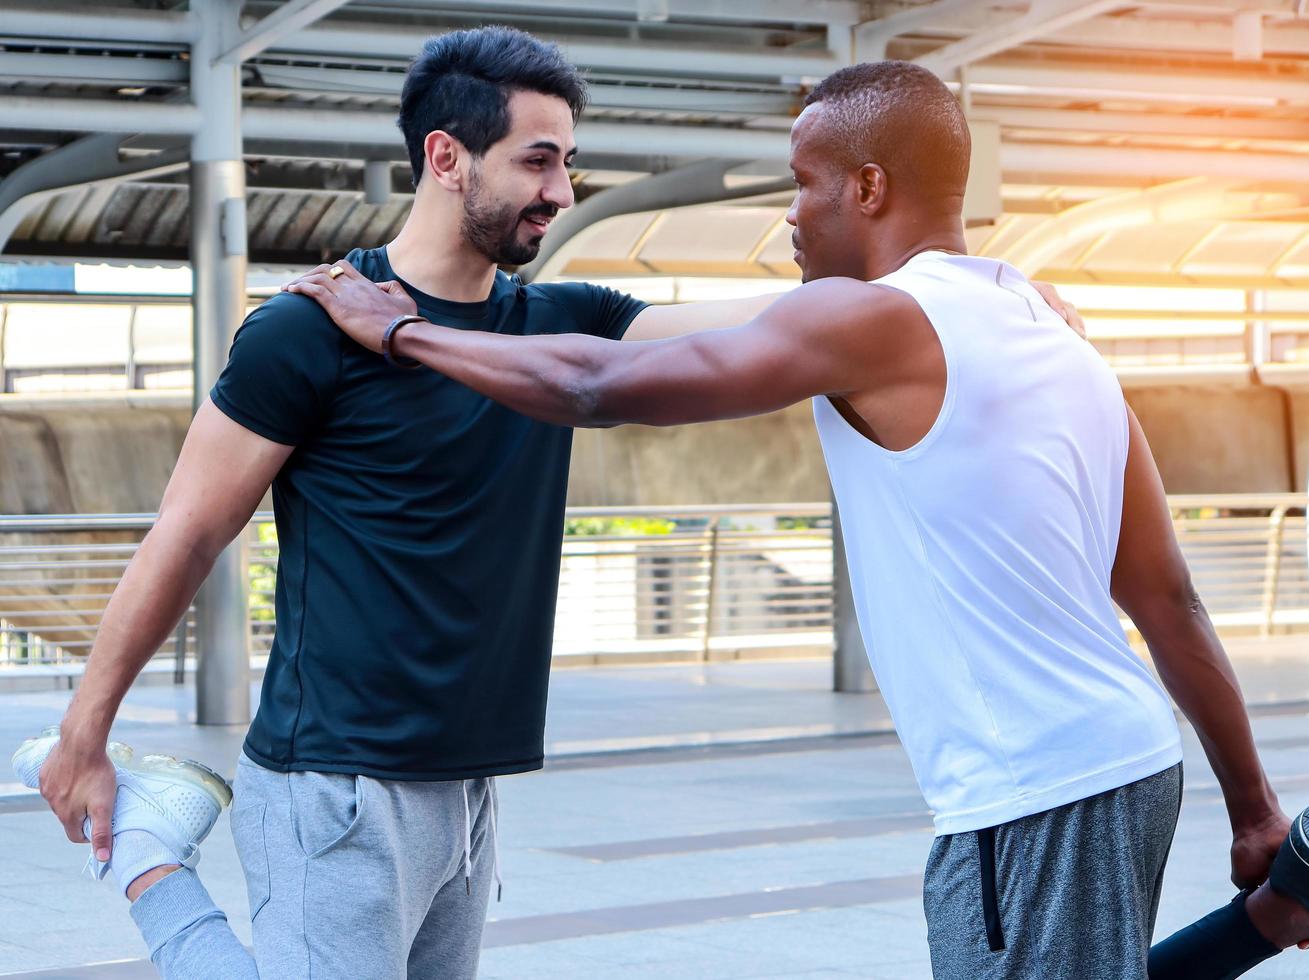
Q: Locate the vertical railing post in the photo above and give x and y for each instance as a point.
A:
(130, 380)
(179, 650)
(1272, 569)
(712, 588)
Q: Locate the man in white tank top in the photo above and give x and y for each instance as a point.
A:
(998, 497)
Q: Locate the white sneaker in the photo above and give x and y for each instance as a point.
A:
(178, 802)
(31, 755)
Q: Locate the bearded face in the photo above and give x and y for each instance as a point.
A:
(499, 227)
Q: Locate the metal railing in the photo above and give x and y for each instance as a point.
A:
(695, 583)
(52, 344)
(699, 582)
(1247, 557)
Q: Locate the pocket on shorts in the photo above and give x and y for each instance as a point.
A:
(326, 809)
(252, 850)
(990, 893)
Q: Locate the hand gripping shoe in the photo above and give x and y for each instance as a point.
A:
(178, 802)
(1290, 871)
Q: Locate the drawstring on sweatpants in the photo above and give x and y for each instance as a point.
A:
(468, 842)
(495, 840)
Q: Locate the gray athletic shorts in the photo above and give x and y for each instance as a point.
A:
(1071, 892)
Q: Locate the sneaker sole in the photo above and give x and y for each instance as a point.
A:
(188, 771)
(120, 754)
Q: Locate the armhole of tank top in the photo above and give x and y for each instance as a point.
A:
(943, 413)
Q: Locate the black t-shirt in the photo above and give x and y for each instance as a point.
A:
(419, 526)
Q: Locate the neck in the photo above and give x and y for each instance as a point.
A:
(430, 254)
(944, 233)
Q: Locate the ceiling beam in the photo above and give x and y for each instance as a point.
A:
(292, 16)
(723, 100)
(364, 128)
(1159, 28)
(1212, 88)
(843, 12)
(359, 40)
(1226, 129)
(1042, 17)
(99, 115)
(91, 69)
(98, 23)
(872, 37)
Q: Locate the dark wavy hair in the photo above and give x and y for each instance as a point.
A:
(461, 82)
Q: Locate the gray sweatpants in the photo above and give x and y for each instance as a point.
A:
(1071, 892)
(348, 877)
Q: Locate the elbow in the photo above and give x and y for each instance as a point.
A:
(591, 401)
(582, 399)
(197, 542)
(1183, 598)
(1170, 610)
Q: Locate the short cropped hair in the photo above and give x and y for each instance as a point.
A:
(900, 116)
(461, 82)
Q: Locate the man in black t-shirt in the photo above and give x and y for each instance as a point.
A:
(420, 528)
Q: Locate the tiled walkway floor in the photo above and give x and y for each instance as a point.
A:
(738, 821)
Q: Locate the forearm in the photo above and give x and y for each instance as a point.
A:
(152, 596)
(1198, 674)
(550, 378)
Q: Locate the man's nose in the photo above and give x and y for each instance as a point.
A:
(559, 191)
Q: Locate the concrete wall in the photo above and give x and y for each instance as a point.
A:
(769, 459)
(1223, 439)
(116, 458)
(102, 458)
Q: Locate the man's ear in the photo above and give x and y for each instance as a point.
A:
(442, 154)
(870, 189)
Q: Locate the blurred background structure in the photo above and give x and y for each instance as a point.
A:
(164, 165)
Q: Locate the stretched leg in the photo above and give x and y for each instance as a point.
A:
(188, 936)
(1248, 930)
(163, 810)
(1222, 945)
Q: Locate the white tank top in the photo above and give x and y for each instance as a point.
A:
(980, 561)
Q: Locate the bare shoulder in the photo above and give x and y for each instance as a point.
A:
(854, 316)
(853, 302)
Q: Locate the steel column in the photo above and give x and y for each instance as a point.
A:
(218, 261)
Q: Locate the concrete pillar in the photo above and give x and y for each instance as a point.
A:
(218, 262)
(850, 670)
(377, 181)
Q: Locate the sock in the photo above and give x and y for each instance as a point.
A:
(134, 853)
(1221, 946)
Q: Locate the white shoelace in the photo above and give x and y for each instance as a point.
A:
(495, 840)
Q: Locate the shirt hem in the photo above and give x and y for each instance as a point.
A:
(478, 771)
(1091, 784)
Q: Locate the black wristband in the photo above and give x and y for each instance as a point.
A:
(396, 324)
